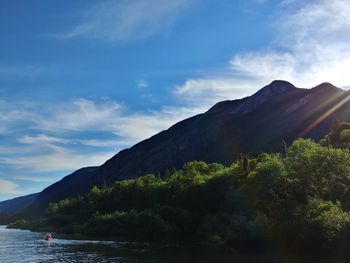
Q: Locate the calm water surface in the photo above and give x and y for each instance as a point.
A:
(25, 246)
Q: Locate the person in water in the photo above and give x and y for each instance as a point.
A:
(48, 237)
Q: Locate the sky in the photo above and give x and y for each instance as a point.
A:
(81, 80)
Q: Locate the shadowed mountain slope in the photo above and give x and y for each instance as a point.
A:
(277, 112)
(12, 206)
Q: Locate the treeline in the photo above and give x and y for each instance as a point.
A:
(300, 196)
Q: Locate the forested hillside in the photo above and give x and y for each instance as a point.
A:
(298, 196)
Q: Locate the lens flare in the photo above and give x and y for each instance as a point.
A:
(325, 115)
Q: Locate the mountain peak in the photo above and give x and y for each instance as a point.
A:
(276, 87)
(325, 86)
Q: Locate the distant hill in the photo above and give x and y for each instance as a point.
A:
(276, 113)
(12, 206)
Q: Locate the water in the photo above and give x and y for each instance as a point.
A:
(25, 246)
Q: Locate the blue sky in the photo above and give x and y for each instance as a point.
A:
(81, 80)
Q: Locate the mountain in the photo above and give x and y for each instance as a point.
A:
(276, 113)
(81, 180)
(12, 206)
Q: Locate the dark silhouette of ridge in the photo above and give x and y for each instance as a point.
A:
(326, 85)
(261, 122)
(12, 206)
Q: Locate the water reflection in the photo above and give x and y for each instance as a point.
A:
(26, 246)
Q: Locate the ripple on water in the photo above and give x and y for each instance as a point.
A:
(25, 246)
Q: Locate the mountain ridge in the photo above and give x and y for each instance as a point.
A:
(12, 206)
(277, 112)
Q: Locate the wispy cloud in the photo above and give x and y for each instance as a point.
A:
(27, 71)
(35, 179)
(8, 187)
(127, 20)
(106, 116)
(310, 47)
(209, 90)
(78, 115)
(68, 135)
(43, 139)
(66, 160)
(142, 83)
(139, 126)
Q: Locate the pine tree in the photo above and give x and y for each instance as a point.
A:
(284, 148)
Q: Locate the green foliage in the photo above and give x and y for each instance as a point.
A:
(322, 221)
(20, 224)
(39, 225)
(302, 195)
(318, 171)
(144, 224)
(339, 136)
(229, 229)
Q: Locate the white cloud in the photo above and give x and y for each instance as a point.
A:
(64, 161)
(208, 91)
(142, 83)
(56, 147)
(81, 114)
(311, 46)
(140, 126)
(85, 115)
(35, 179)
(8, 187)
(43, 139)
(127, 20)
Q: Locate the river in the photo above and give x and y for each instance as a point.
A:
(26, 246)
